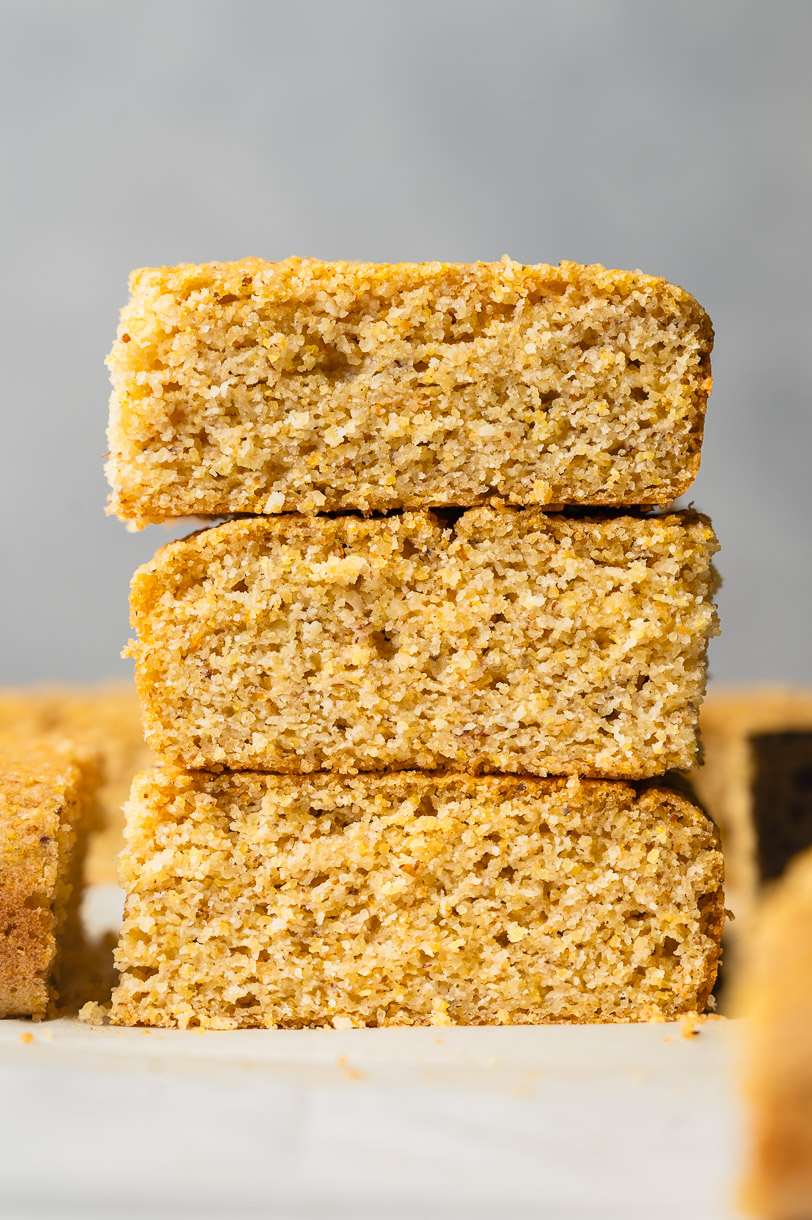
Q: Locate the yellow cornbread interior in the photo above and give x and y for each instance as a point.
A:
(511, 642)
(268, 900)
(261, 387)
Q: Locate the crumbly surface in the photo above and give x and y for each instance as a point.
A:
(412, 899)
(259, 387)
(104, 717)
(46, 809)
(509, 642)
(776, 997)
(731, 721)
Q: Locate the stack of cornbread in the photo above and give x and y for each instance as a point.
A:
(413, 701)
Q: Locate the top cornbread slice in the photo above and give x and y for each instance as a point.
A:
(514, 641)
(260, 387)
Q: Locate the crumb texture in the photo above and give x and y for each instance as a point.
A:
(514, 642)
(776, 997)
(261, 387)
(46, 809)
(413, 899)
(104, 718)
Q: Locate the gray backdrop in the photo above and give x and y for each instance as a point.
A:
(675, 138)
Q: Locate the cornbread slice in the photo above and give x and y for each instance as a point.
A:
(257, 387)
(104, 717)
(756, 782)
(511, 641)
(412, 899)
(776, 996)
(47, 806)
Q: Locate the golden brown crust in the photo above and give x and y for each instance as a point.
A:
(650, 794)
(489, 365)
(298, 529)
(308, 278)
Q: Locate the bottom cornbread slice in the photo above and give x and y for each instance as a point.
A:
(47, 807)
(413, 899)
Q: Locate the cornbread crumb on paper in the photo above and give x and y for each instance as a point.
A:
(94, 1013)
(271, 900)
(690, 1026)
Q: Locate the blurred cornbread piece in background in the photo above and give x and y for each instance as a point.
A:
(507, 641)
(756, 782)
(775, 994)
(257, 387)
(106, 718)
(47, 807)
(412, 899)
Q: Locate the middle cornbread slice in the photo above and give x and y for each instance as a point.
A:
(503, 640)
